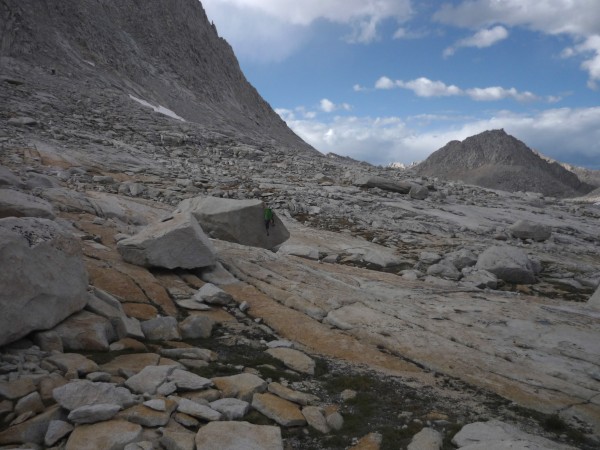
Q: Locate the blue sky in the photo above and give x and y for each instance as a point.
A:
(394, 80)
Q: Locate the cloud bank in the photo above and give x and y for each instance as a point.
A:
(424, 87)
(566, 134)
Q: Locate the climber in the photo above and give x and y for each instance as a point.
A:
(269, 220)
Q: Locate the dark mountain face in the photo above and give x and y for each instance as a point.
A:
(497, 160)
(164, 51)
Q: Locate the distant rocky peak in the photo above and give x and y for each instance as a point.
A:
(497, 160)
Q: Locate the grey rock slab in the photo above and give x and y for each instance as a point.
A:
(197, 410)
(98, 412)
(496, 434)
(196, 326)
(16, 389)
(31, 402)
(108, 435)
(161, 329)
(293, 396)
(105, 305)
(481, 279)
(294, 359)
(68, 200)
(303, 251)
(315, 419)
(33, 430)
(42, 272)
(238, 436)
(178, 440)
(242, 386)
(129, 364)
(239, 221)
(402, 187)
(193, 305)
(18, 204)
(149, 379)
(8, 178)
(83, 393)
(418, 192)
(284, 412)
(426, 439)
(149, 417)
(209, 293)
(594, 300)
(461, 258)
(231, 408)
(86, 331)
(444, 269)
(525, 229)
(189, 353)
(507, 263)
(57, 429)
(176, 242)
(188, 381)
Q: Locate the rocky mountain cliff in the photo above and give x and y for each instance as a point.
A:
(497, 160)
(164, 52)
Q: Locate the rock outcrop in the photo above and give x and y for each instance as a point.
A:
(43, 278)
(177, 241)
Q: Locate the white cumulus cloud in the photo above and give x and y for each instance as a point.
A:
(578, 19)
(251, 26)
(481, 39)
(328, 106)
(566, 134)
(424, 87)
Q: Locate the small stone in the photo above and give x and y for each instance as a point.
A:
(315, 418)
(335, 420)
(57, 429)
(284, 412)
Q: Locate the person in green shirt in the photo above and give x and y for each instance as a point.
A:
(269, 220)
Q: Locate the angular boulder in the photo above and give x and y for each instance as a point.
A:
(239, 221)
(525, 229)
(594, 300)
(238, 435)
(18, 204)
(175, 242)
(109, 435)
(43, 277)
(402, 187)
(419, 192)
(507, 263)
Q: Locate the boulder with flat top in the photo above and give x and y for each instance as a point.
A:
(239, 221)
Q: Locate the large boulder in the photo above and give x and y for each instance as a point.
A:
(239, 221)
(525, 229)
(402, 187)
(18, 204)
(43, 277)
(507, 263)
(175, 242)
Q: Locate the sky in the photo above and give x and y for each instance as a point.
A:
(394, 80)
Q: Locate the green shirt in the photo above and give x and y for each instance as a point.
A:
(268, 213)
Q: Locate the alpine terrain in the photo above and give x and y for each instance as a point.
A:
(146, 303)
